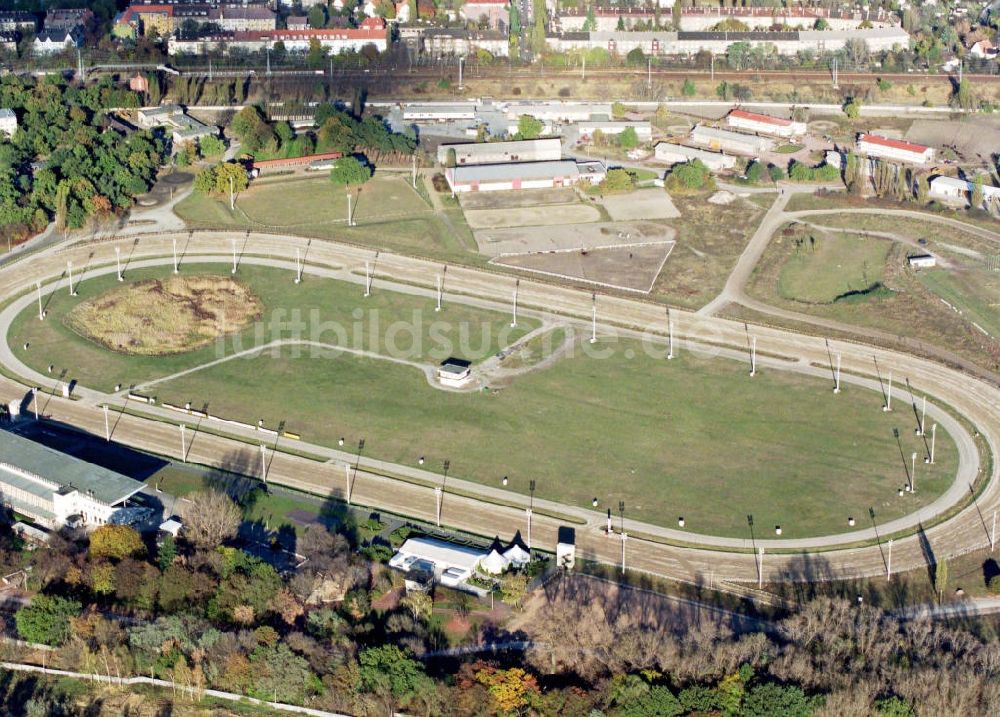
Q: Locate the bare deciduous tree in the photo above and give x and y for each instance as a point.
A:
(210, 518)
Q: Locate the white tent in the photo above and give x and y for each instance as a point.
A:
(516, 555)
(494, 563)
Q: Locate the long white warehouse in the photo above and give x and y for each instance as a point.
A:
(522, 175)
(529, 150)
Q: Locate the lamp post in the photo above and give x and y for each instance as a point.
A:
(531, 506)
(621, 511)
(107, 425)
(513, 319)
(69, 270)
(41, 311)
(234, 256)
(888, 395)
(118, 263)
(176, 266)
(183, 446)
(263, 463)
(593, 320)
(298, 266)
(670, 335)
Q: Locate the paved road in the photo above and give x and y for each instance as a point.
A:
(970, 396)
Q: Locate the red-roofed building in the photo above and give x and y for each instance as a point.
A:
(314, 162)
(764, 124)
(872, 145)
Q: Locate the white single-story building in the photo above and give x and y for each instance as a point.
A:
(922, 261)
(873, 145)
(455, 372)
(528, 150)
(8, 121)
(523, 175)
(559, 111)
(736, 142)
(953, 188)
(451, 563)
(643, 130)
(54, 489)
(439, 113)
(764, 124)
(679, 154)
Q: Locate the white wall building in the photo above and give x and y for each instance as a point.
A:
(764, 124)
(522, 175)
(922, 261)
(528, 150)
(679, 154)
(643, 130)
(8, 121)
(53, 488)
(722, 140)
(559, 111)
(454, 372)
(439, 112)
(872, 145)
(50, 42)
(452, 563)
(955, 189)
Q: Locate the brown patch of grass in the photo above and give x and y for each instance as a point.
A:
(156, 317)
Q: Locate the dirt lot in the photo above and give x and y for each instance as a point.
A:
(629, 268)
(511, 200)
(571, 237)
(641, 204)
(553, 214)
(974, 138)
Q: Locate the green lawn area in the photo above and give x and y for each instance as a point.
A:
(825, 267)
(973, 289)
(781, 446)
(389, 213)
(322, 310)
(788, 148)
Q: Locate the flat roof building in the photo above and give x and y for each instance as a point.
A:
(678, 154)
(954, 188)
(455, 372)
(528, 150)
(874, 145)
(450, 564)
(764, 124)
(439, 113)
(522, 175)
(643, 130)
(735, 142)
(51, 487)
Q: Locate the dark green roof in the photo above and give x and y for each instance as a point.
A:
(65, 470)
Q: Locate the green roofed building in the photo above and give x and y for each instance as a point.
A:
(54, 489)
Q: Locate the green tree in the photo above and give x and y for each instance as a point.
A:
(923, 189)
(166, 552)
(387, 670)
(528, 127)
(821, 24)
(350, 170)
(635, 57)
(230, 177)
(689, 176)
(852, 108)
(755, 172)
(617, 110)
(774, 700)
(893, 707)
(46, 619)
(722, 90)
(776, 173)
(538, 29)
(251, 128)
(116, 542)
(618, 180)
(628, 139)
(513, 588)
(212, 146)
(688, 89)
(977, 192)
(317, 16)
(590, 23)
(964, 97)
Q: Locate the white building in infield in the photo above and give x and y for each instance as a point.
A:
(455, 372)
(439, 112)
(679, 154)
(54, 489)
(872, 145)
(523, 175)
(725, 141)
(764, 124)
(529, 150)
(922, 261)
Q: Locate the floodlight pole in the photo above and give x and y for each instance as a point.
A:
(41, 311)
(350, 212)
(438, 307)
(232, 195)
(760, 567)
(437, 497)
(234, 257)
(993, 533)
(368, 279)
(34, 401)
(923, 416)
(753, 356)
(670, 335)
(298, 266)
(183, 446)
(69, 270)
(414, 173)
(176, 266)
(118, 262)
(513, 319)
(624, 538)
(933, 440)
(107, 425)
(836, 388)
(593, 320)
(913, 472)
(531, 506)
(888, 563)
(888, 396)
(347, 481)
(263, 463)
